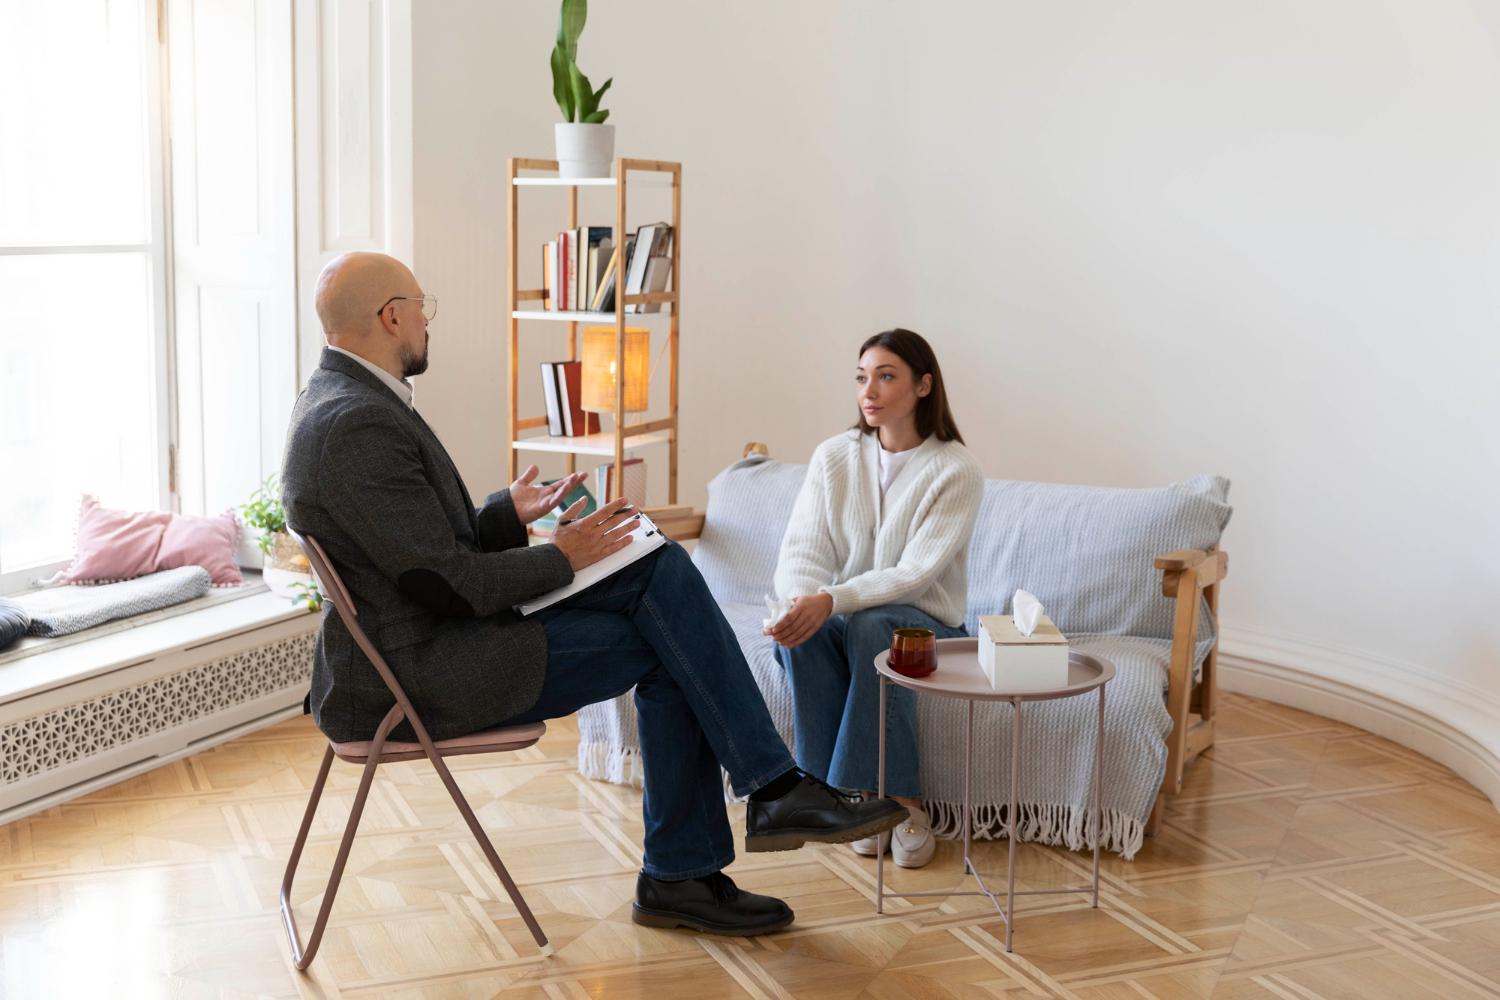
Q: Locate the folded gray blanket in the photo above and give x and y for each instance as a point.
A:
(64, 610)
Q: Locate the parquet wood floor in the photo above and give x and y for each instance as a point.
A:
(1304, 859)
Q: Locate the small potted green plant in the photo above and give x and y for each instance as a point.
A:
(284, 569)
(585, 145)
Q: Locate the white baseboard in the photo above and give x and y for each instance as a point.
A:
(1456, 725)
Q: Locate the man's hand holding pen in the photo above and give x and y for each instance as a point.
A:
(586, 540)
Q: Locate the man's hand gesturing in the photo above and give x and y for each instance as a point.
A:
(589, 539)
(532, 501)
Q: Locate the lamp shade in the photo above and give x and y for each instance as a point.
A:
(600, 369)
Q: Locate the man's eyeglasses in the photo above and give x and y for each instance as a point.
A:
(429, 304)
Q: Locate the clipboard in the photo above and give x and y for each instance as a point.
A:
(647, 538)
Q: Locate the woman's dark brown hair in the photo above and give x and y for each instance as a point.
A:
(933, 415)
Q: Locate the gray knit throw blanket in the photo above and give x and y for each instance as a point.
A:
(63, 610)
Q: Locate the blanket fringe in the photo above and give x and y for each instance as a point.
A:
(615, 764)
(1049, 823)
(1039, 822)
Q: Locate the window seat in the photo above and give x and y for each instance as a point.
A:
(36, 645)
(89, 709)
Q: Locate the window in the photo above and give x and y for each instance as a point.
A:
(146, 361)
(83, 335)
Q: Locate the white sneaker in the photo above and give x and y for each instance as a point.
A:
(866, 847)
(912, 843)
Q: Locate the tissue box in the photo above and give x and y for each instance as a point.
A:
(1016, 662)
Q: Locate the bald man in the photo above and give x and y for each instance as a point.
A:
(435, 581)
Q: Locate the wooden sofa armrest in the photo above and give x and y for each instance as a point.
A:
(1181, 559)
(1209, 566)
(678, 522)
(1187, 576)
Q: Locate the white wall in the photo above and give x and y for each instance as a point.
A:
(1147, 240)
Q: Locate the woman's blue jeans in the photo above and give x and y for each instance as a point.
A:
(836, 701)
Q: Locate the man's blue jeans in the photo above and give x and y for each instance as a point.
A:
(836, 701)
(654, 626)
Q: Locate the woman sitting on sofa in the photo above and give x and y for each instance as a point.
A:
(878, 540)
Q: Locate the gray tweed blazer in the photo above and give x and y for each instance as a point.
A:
(433, 578)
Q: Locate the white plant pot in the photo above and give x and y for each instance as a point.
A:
(584, 150)
(249, 555)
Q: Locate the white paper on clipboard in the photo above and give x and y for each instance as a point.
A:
(646, 539)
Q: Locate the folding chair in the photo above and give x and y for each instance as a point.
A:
(373, 753)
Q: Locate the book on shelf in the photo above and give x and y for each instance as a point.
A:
(576, 420)
(658, 269)
(549, 275)
(599, 255)
(547, 523)
(635, 481)
(596, 242)
(560, 274)
(554, 402)
(604, 298)
(652, 241)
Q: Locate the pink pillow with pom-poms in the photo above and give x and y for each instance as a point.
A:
(115, 544)
(210, 542)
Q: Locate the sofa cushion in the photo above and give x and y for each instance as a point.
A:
(1088, 552)
(749, 505)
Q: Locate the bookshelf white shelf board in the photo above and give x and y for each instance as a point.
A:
(645, 179)
(587, 317)
(602, 443)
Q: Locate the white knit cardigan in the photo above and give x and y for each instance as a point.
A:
(864, 550)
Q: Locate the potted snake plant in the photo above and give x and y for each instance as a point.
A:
(585, 145)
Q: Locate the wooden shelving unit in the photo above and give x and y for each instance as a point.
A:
(624, 438)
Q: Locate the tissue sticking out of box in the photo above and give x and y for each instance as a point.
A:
(1025, 611)
(776, 608)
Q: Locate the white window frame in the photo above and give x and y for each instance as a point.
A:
(158, 248)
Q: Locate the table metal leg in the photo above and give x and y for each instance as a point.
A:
(968, 782)
(1015, 781)
(880, 792)
(1098, 796)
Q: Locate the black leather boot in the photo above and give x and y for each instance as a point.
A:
(713, 904)
(816, 811)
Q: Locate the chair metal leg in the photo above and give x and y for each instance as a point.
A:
(302, 956)
(287, 920)
(490, 853)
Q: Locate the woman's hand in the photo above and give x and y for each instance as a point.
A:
(532, 501)
(802, 622)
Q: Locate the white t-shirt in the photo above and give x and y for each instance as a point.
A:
(891, 463)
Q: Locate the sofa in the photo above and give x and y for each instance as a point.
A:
(1131, 575)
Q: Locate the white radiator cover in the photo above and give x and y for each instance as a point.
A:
(77, 737)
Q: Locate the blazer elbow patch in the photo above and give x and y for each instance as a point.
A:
(432, 591)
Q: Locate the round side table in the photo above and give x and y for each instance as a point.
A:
(958, 676)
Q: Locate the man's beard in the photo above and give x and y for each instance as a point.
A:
(411, 364)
